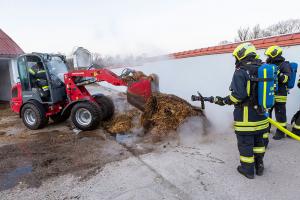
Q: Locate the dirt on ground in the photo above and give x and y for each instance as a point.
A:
(28, 157)
(5, 110)
(53, 153)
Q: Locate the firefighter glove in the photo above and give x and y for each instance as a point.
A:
(219, 101)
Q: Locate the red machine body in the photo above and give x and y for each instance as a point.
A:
(77, 91)
(16, 100)
(65, 95)
(68, 96)
(137, 92)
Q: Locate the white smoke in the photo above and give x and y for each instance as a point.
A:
(193, 131)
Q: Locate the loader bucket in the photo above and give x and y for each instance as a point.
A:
(140, 91)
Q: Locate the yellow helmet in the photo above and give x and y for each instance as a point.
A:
(273, 51)
(243, 50)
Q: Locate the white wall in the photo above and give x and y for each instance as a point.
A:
(211, 75)
(13, 68)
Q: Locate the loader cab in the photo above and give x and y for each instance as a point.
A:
(53, 67)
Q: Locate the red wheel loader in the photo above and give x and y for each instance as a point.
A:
(67, 95)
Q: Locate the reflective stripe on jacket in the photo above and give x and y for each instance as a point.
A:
(246, 118)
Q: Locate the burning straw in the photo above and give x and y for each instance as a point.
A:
(165, 113)
(121, 123)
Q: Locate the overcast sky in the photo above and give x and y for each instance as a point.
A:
(134, 26)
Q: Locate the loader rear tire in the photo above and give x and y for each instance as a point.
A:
(107, 106)
(86, 115)
(34, 116)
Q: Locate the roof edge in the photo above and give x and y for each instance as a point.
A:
(14, 48)
(284, 40)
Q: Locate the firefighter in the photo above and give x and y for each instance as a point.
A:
(249, 124)
(296, 119)
(39, 79)
(274, 54)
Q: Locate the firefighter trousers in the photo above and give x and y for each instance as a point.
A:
(252, 150)
(280, 115)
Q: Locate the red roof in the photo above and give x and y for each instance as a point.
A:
(282, 40)
(8, 48)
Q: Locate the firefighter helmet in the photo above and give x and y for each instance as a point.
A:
(244, 50)
(273, 51)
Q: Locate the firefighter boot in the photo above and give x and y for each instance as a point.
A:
(278, 135)
(259, 167)
(242, 171)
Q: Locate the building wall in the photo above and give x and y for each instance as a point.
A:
(211, 75)
(5, 80)
(8, 77)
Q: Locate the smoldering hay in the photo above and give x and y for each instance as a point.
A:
(163, 113)
(166, 112)
(122, 123)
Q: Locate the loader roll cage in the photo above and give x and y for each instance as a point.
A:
(55, 67)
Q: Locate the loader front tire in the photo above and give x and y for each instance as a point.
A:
(86, 115)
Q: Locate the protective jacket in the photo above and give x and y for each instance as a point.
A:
(39, 77)
(247, 119)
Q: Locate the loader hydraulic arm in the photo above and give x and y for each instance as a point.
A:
(77, 91)
(139, 88)
(99, 74)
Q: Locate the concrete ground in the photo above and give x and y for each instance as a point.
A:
(205, 171)
(200, 167)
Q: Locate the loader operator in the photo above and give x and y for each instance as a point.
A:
(39, 80)
(296, 119)
(249, 124)
(274, 54)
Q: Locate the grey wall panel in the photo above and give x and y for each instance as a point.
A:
(211, 75)
(5, 83)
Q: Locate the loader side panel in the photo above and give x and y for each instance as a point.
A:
(16, 100)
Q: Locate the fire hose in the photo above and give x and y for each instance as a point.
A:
(202, 99)
(289, 133)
